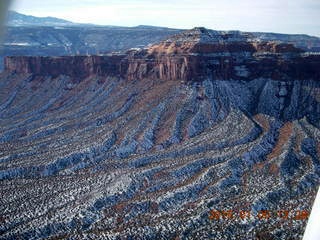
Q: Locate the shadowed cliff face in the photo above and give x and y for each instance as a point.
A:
(144, 145)
(74, 66)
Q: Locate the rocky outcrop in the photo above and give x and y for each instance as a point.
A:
(276, 47)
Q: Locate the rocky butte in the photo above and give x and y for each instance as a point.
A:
(147, 144)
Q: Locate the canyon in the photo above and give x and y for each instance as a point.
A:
(145, 143)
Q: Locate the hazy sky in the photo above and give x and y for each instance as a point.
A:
(286, 16)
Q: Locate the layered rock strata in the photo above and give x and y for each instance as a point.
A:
(191, 56)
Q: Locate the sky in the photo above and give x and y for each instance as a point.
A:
(284, 16)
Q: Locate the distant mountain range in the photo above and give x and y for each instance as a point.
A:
(15, 19)
(18, 19)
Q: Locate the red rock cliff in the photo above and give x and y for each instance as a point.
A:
(77, 66)
(191, 56)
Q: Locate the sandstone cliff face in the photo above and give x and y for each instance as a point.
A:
(75, 66)
(191, 56)
(183, 67)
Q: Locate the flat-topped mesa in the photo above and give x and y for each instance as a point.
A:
(200, 53)
(192, 55)
(204, 41)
